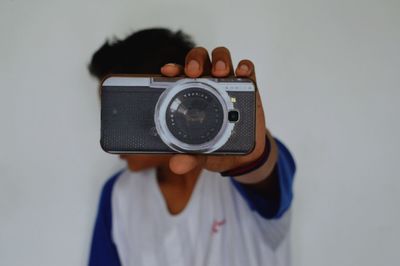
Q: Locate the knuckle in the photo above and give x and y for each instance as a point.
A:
(220, 51)
(247, 62)
(200, 49)
(197, 51)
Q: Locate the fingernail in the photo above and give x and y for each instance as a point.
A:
(193, 66)
(220, 65)
(244, 68)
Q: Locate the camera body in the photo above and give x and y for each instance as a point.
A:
(155, 114)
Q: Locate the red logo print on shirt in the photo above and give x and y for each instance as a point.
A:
(216, 225)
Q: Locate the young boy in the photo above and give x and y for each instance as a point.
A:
(184, 209)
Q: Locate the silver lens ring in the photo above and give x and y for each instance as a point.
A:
(168, 95)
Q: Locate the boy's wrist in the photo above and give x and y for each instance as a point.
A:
(259, 169)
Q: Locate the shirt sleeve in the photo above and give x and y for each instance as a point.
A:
(103, 250)
(268, 207)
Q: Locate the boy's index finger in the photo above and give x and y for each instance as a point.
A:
(197, 63)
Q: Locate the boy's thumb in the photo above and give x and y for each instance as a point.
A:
(182, 163)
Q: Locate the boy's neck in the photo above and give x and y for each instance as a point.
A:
(176, 189)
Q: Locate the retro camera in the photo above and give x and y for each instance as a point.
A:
(155, 114)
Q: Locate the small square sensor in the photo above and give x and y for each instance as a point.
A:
(233, 116)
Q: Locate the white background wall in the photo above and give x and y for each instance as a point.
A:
(329, 72)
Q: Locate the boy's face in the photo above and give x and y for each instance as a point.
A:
(138, 162)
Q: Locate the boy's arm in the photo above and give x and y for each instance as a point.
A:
(103, 251)
(268, 186)
(266, 183)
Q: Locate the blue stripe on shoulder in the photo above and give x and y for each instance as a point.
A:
(286, 171)
(103, 250)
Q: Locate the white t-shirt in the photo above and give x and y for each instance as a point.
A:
(217, 227)
(224, 223)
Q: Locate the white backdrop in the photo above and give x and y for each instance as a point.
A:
(329, 72)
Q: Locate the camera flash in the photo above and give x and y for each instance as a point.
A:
(233, 99)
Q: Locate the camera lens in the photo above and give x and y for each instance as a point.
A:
(194, 116)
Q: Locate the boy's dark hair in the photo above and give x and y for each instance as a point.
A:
(143, 52)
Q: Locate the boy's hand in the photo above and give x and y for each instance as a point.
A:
(198, 64)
